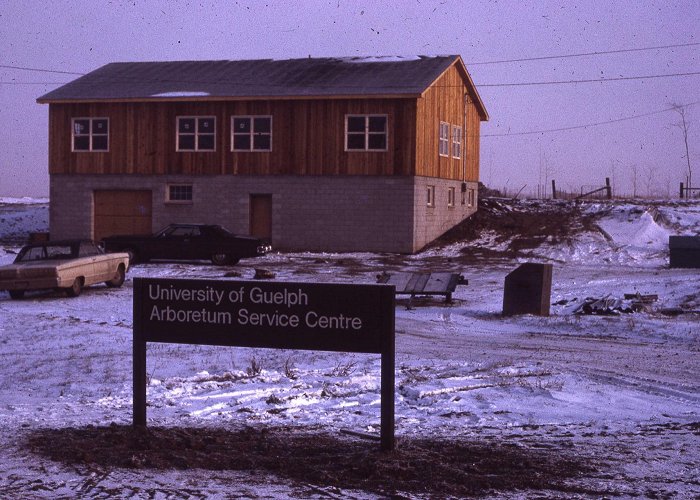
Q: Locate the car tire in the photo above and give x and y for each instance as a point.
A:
(75, 289)
(118, 279)
(220, 259)
(16, 294)
(133, 256)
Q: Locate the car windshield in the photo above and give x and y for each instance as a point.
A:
(44, 252)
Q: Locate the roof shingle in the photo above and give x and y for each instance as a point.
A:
(348, 76)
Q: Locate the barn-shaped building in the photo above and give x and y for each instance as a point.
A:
(320, 154)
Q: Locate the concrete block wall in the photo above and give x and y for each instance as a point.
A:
(70, 207)
(324, 213)
(432, 222)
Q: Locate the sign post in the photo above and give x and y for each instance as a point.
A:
(281, 315)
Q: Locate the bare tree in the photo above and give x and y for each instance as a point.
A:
(684, 125)
(635, 168)
(649, 178)
(613, 172)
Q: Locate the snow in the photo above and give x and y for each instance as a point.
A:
(621, 391)
(21, 216)
(182, 93)
(358, 59)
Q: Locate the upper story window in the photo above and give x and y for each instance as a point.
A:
(366, 132)
(90, 134)
(456, 141)
(196, 133)
(251, 133)
(179, 193)
(444, 139)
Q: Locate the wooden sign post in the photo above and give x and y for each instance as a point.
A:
(281, 315)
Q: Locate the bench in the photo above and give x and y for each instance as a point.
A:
(424, 283)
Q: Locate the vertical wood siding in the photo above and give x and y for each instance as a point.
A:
(308, 138)
(445, 101)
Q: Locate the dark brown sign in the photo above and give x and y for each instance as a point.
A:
(282, 315)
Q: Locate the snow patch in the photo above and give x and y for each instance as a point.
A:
(183, 93)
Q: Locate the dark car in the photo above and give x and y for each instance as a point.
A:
(188, 242)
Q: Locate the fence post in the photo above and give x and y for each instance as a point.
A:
(554, 190)
(681, 190)
(608, 188)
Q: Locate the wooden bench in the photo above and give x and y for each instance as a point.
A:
(424, 283)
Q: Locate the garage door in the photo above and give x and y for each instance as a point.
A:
(121, 212)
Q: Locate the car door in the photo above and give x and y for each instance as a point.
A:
(95, 268)
(192, 244)
(179, 242)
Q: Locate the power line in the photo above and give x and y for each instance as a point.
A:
(42, 70)
(33, 83)
(585, 54)
(574, 127)
(501, 61)
(593, 80)
(491, 85)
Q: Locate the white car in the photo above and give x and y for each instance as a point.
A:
(66, 265)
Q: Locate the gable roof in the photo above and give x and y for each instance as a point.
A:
(351, 77)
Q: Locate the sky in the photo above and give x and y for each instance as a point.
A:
(624, 129)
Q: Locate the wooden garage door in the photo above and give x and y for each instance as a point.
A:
(122, 212)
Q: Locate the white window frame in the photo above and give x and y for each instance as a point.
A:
(456, 141)
(430, 196)
(451, 194)
(444, 139)
(471, 195)
(177, 200)
(196, 134)
(90, 134)
(367, 133)
(251, 134)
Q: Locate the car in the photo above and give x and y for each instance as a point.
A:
(68, 265)
(188, 242)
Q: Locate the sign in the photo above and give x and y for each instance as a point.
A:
(282, 315)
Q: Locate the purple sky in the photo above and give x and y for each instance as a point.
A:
(79, 36)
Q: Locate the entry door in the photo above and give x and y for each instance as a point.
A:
(121, 212)
(261, 216)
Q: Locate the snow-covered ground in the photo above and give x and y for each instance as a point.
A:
(615, 396)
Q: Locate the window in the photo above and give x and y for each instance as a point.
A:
(196, 133)
(184, 232)
(251, 133)
(444, 139)
(451, 197)
(456, 141)
(431, 196)
(179, 193)
(471, 198)
(90, 134)
(366, 133)
(88, 249)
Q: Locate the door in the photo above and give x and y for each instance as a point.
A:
(261, 216)
(121, 212)
(180, 242)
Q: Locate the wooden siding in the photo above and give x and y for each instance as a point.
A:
(445, 101)
(308, 138)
